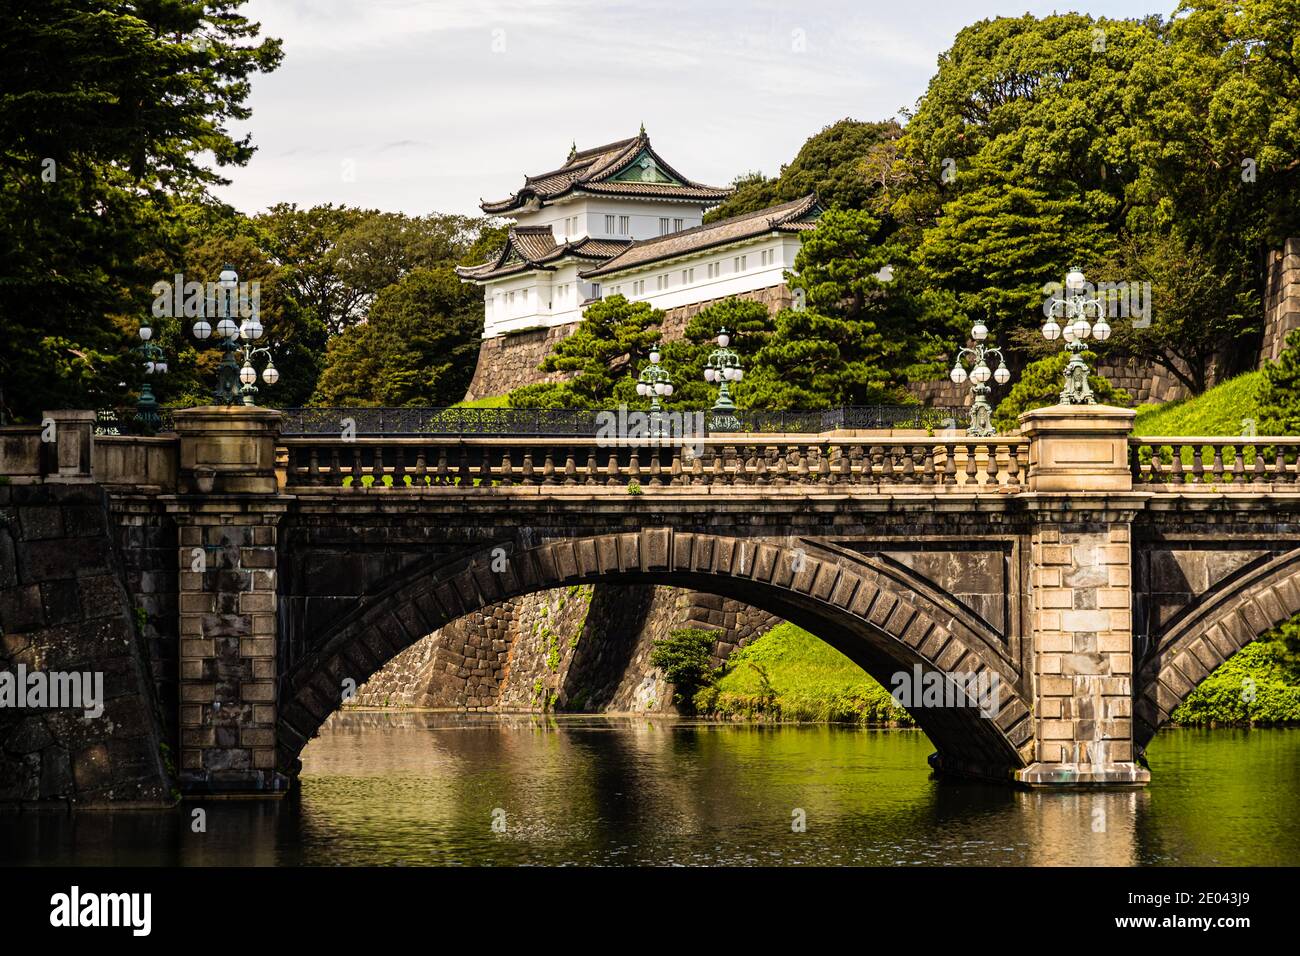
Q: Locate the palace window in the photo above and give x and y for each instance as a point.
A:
(677, 225)
(715, 269)
(663, 225)
(609, 225)
(688, 276)
(661, 282)
(739, 263)
(624, 225)
(595, 290)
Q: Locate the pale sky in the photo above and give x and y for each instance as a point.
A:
(425, 106)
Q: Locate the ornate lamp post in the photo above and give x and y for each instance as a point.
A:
(981, 412)
(723, 367)
(155, 363)
(235, 379)
(1074, 309)
(653, 382)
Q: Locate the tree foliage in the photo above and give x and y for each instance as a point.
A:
(1279, 400)
(831, 163)
(108, 114)
(1040, 386)
(858, 338)
(601, 358)
(417, 346)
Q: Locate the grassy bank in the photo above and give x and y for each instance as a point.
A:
(788, 674)
(1218, 411)
(490, 401)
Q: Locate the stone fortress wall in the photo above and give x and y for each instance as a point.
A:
(584, 648)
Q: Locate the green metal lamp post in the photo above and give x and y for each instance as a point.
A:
(653, 382)
(155, 363)
(1074, 308)
(981, 412)
(722, 368)
(236, 378)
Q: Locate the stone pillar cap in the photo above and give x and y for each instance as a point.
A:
(1077, 418)
(70, 415)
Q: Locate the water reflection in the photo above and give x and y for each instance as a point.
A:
(421, 789)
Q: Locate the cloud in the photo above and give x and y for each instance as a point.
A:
(415, 105)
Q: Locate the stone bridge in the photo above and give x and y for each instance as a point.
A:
(1098, 578)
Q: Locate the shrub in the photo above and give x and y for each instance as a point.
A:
(1251, 687)
(1040, 385)
(684, 656)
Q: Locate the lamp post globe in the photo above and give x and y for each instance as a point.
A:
(1074, 308)
(978, 355)
(654, 383)
(723, 368)
(236, 375)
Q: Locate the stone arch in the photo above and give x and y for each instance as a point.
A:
(1216, 627)
(862, 610)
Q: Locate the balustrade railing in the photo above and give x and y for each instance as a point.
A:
(958, 464)
(1215, 463)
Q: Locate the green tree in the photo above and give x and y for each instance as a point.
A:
(417, 347)
(602, 358)
(1198, 316)
(751, 325)
(832, 163)
(1279, 400)
(109, 116)
(1040, 386)
(305, 242)
(858, 339)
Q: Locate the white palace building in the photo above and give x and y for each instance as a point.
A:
(617, 219)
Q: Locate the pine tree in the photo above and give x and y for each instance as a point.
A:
(1279, 400)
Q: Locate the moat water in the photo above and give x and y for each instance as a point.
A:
(433, 789)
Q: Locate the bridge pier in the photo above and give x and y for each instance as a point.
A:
(227, 512)
(1080, 582)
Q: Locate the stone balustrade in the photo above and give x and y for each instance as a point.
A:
(1215, 464)
(995, 465)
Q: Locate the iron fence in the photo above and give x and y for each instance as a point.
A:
(127, 421)
(555, 422)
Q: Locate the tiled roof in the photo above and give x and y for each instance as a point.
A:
(797, 215)
(589, 171)
(530, 248)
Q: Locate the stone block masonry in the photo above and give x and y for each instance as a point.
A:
(1083, 646)
(64, 607)
(586, 648)
(1099, 595)
(459, 667)
(227, 655)
(227, 602)
(1281, 300)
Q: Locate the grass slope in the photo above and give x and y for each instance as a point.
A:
(491, 401)
(1218, 411)
(788, 674)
